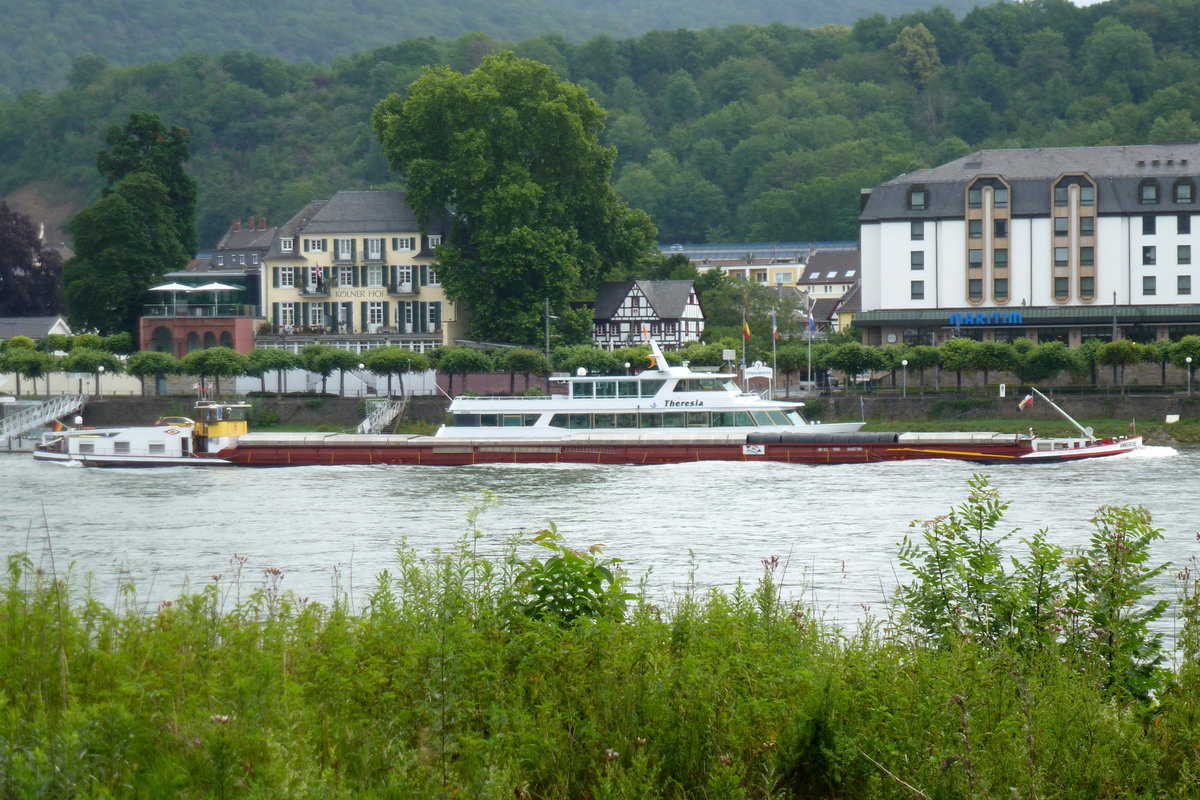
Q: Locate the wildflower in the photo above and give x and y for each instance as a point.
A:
(725, 758)
(640, 742)
(610, 754)
(221, 719)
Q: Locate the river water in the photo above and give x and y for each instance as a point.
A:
(835, 528)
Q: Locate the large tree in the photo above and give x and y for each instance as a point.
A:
(30, 274)
(145, 144)
(512, 153)
(123, 244)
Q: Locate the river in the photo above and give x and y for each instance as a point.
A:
(835, 528)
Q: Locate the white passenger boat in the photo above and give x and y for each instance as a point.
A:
(662, 400)
(177, 441)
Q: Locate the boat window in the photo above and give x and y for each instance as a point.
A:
(237, 414)
(158, 449)
(512, 420)
(697, 419)
(487, 420)
(627, 420)
(606, 389)
(583, 389)
(763, 418)
(121, 448)
(627, 389)
(651, 420)
(559, 421)
(673, 419)
(743, 419)
(532, 419)
(579, 421)
(777, 417)
(699, 385)
(466, 420)
(723, 419)
(794, 418)
(650, 388)
(87, 447)
(730, 386)
(605, 420)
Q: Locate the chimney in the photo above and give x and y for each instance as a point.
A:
(237, 224)
(262, 223)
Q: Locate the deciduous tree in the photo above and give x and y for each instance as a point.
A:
(30, 273)
(513, 153)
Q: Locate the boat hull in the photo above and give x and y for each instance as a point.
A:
(122, 460)
(845, 449)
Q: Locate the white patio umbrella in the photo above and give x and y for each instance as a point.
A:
(173, 288)
(216, 287)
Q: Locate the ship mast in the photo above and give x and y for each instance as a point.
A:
(1087, 432)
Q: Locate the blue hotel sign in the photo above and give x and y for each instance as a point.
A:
(987, 318)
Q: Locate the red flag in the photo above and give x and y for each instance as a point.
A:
(1025, 402)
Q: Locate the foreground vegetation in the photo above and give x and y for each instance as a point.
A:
(539, 673)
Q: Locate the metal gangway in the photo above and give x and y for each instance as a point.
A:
(40, 416)
(383, 414)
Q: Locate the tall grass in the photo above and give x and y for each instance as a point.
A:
(539, 674)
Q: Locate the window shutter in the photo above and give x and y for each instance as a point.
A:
(395, 243)
(386, 306)
(275, 277)
(355, 276)
(391, 275)
(435, 315)
(275, 313)
(349, 314)
(424, 275)
(305, 245)
(304, 313)
(382, 246)
(423, 316)
(353, 247)
(362, 312)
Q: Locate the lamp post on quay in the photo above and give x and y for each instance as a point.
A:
(99, 372)
(1189, 365)
(904, 378)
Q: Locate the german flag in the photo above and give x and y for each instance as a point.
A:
(746, 330)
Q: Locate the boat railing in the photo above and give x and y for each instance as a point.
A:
(523, 397)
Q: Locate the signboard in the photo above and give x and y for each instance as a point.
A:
(987, 318)
(758, 371)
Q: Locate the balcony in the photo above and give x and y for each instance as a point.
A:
(319, 289)
(402, 289)
(200, 310)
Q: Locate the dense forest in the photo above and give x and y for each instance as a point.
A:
(40, 38)
(730, 134)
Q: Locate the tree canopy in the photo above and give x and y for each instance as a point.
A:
(513, 153)
(30, 274)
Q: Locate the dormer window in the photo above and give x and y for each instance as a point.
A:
(1148, 192)
(1185, 191)
(287, 245)
(918, 198)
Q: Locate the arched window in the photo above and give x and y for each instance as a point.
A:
(193, 342)
(161, 340)
(227, 339)
(210, 339)
(1148, 192)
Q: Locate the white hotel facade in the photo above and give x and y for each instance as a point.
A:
(1050, 244)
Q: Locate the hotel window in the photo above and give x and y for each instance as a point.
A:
(402, 243)
(916, 231)
(314, 277)
(1000, 288)
(220, 261)
(1148, 193)
(975, 198)
(314, 245)
(917, 200)
(1061, 256)
(1149, 255)
(254, 258)
(345, 276)
(1185, 191)
(434, 240)
(1062, 226)
(975, 228)
(1149, 285)
(1060, 195)
(1000, 197)
(375, 275)
(1149, 225)
(287, 277)
(1087, 256)
(1183, 224)
(1087, 195)
(975, 259)
(1183, 254)
(1183, 284)
(1087, 287)
(917, 290)
(375, 313)
(287, 314)
(1000, 258)
(917, 259)
(433, 278)
(345, 249)
(1000, 228)
(404, 277)
(1060, 289)
(408, 314)
(286, 245)
(316, 315)
(375, 247)
(975, 288)
(1087, 226)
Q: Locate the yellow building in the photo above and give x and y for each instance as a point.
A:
(357, 272)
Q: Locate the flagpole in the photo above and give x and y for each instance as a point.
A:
(774, 338)
(744, 329)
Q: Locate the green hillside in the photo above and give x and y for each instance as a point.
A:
(740, 133)
(40, 38)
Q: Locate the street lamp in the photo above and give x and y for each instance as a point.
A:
(362, 384)
(1189, 363)
(904, 379)
(99, 372)
(626, 367)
